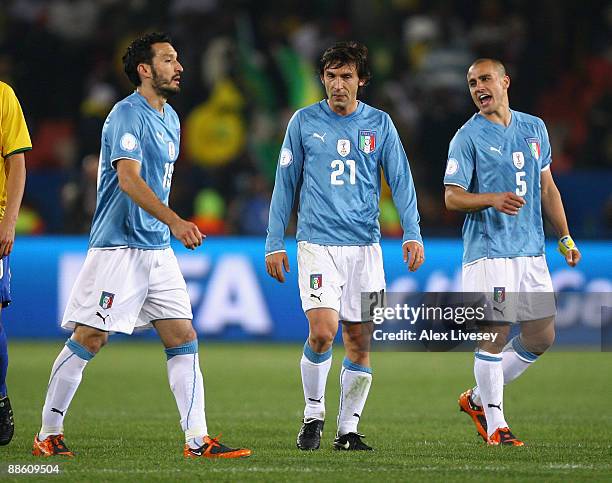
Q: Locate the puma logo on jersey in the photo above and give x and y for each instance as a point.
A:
(318, 297)
(498, 406)
(497, 150)
(317, 135)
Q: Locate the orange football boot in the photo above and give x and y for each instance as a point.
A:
(51, 446)
(475, 412)
(504, 437)
(212, 448)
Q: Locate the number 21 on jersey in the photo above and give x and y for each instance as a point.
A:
(338, 170)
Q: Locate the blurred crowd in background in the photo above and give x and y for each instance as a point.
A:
(250, 64)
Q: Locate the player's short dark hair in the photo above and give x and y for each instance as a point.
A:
(499, 65)
(140, 52)
(346, 53)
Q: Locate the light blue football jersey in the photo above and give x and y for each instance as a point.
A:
(134, 130)
(484, 157)
(336, 161)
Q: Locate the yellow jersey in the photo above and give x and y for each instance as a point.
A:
(14, 135)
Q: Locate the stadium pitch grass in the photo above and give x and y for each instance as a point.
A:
(123, 423)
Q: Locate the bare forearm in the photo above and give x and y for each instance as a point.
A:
(458, 199)
(15, 184)
(138, 190)
(552, 205)
(465, 201)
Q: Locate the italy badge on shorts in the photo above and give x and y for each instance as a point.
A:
(316, 281)
(499, 294)
(367, 141)
(106, 300)
(534, 147)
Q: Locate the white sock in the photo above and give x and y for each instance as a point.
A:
(187, 385)
(66, 375)
(515, 360)
(490, 379)
(315, 368)
(355, 382)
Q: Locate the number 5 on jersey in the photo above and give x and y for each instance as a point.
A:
(338, 170)
(521, 184)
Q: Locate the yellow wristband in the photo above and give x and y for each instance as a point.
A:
(566, 244)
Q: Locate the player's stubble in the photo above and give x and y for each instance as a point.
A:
(163, 87)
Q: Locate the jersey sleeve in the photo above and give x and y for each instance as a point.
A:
(546, 154)
(14, 131)
(288, 175)
(125, 134)
(460, 161)
(396, 170)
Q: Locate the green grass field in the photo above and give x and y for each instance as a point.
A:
(123, 423)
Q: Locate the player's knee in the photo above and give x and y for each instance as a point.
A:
(91, 339)
(182, 337)
(93, 342)
(189, 335)
(321, 340)
(540, 343)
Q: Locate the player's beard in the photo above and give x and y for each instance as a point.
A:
(163, 87)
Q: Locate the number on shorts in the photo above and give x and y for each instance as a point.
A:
(377, 300)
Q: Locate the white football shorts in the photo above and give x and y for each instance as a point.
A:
(517, 289)
(122, 289)
(348, 279)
